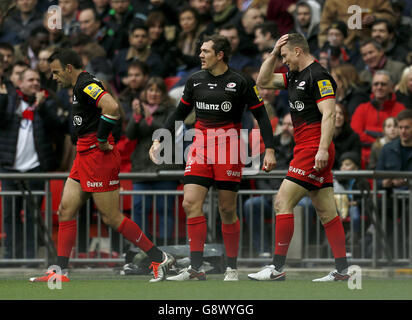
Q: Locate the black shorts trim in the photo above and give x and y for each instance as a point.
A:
(208, 182)
(202, 181)
(307, 185)
(77, 180)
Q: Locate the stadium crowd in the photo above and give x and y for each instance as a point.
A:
(144, 50)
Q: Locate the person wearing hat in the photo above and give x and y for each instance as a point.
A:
(334, 48)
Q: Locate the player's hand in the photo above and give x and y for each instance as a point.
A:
(105, 146)
(321, 159)
(279, 44)
(154, 152)
(269, 161)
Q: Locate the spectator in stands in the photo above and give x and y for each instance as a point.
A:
(56, 35)
(43, 67)
(374, 58)
(23, 19)
(92, 27)
(224, 11)
(270, 97)
(397, 154)
(337, 10)
(29, 50)
(335, 48)
(7, 52)
(188, 41)
(237, 60)
(350, 91)
(203, 8)
(69, 11)
(404, 88)
(8, 36)
(281, 13)
(119, 21)
(150, 113)
(266, 35)
(349, 205)
(403, 22)
(307, 22)
(384, 33)
(390, 132)
(367, 120)
(16, 71)
(344, 138)
(284, 145)
(102, 8)
(95, 62)
(29, 124)
(137, 76)
(250, 18)
(139, 49)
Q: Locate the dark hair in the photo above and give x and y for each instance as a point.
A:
(21, 63)
(404, 114)
(136, 26)
(229, 26)
(373, 42)
(191, 9)
(95, 13)
(154, 18)
(6, 46)
(140, 65)
(268, 27)
(298, 40)
(37, 30)
(220, 43)
(66, 56)
(389, 25)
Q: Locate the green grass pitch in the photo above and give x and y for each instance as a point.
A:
(138, 288)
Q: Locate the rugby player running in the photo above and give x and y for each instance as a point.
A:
(311, 91)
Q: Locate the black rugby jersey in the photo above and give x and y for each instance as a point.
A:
(219, 101)
(305, 89)
(86, 95)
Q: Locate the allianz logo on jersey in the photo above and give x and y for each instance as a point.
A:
(224, 106)
(298, 105)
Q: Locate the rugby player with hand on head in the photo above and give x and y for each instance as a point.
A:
(219, 95)
(311, 91)
(95, 171)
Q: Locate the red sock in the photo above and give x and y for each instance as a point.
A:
(197, 231)
(132, 232)
(336, 237)
(231, 235)
(66, 237)
(283, 233)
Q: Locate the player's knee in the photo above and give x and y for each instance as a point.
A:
(65, 212)
(190, 206)
(227, 210)
(278, 205)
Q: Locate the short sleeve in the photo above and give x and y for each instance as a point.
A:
(252, 97)
(93, 92)
(187, 96)
(324, 87)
